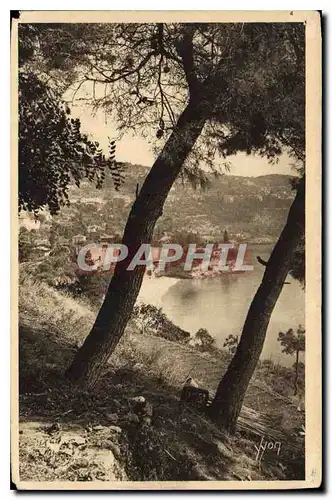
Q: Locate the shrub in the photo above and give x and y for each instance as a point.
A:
(231, 343)
(151, 320)
(205, 339)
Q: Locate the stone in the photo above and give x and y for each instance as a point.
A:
(115, 449)
(139, 399)
(115, 428)
(99, 428)
(82, 462)
(139, 405)
(224, 450)
(112, 417)
(74, 438)
(111, 458)
(194, 395)
(104, 460)
(52, 428)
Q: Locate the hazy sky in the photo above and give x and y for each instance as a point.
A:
(138, 150)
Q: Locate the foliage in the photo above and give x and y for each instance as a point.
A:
(273, 96)
(231, 342)
(151, 320)
(298, 265)
(91, 286)
(247, 77)
(294, 343)
(291, 341)
(205, 338)
(53, 152)
(148, 317)
(25, 245)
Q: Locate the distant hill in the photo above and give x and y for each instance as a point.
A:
(252, 209)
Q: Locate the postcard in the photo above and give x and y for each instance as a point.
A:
(166, 250)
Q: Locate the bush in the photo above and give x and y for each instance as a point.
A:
(25, 245)
(205, 339)
(231, 343)
(93, 287)
(151, 320)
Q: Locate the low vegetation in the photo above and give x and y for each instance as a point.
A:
(97, 435)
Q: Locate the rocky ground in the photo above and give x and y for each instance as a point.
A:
(132, 425)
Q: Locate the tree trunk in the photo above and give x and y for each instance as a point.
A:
(296, 372)
(125, 285)
(232, 388)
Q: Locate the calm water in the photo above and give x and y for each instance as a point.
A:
(221, 304)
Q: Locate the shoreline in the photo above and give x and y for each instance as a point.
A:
(153, 289)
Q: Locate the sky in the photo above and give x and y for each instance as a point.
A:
(137, 150)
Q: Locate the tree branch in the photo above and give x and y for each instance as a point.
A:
(185, 49)
(113, 79)
(261, 261)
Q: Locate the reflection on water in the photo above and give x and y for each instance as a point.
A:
(221, 304)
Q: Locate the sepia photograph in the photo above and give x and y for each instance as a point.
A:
(166, 259)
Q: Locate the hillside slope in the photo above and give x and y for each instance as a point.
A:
(63, 431)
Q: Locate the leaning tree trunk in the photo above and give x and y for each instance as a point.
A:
(232, 388)
(125, 285)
